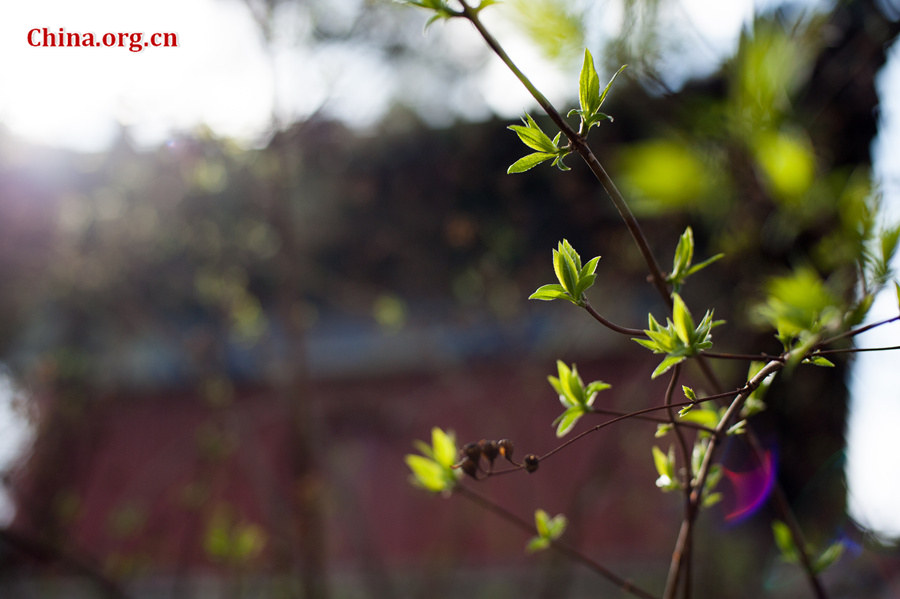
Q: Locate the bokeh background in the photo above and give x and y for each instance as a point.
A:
(238, 278)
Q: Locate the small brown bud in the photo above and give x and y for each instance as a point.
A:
(531, 462)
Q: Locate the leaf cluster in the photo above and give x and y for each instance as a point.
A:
(680, 339)
(576, 398)
(548, 530)
(433, 470)
(799, 306)
(534, 137)
(589, 95)
(574, 278)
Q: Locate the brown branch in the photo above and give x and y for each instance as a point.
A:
(611, 325)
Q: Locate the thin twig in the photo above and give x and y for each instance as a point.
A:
(611, 325)
(570, 552)
(683, 565)
(854, 332)
(749, 357)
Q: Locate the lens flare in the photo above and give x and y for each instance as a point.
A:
(751, 487)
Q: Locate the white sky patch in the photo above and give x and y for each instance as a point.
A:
(15, 434)
(74, 97)
(872, 439)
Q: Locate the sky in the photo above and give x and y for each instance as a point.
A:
(221, 76)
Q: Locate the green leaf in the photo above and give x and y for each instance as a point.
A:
(588, 86)
(704, 416)
(819, 361)
(665, 467)
(547, 527)
(550, 292)
(711, 499)
(558, 161)
(556, 526)
(666, 364)
(829, 556)
(689, 393)
(433, 471)
(704, 264)
(590, 267)
(565, 269)
(537, 544)
(444, 447)
(738, 428)
(427, 473)
(584, 283)
(662, 430)
(595, 387)
(784, 541)
(684, 252)
(608, 86)
(567, 420)
(528, 162)
(534, 137)
(897, 288)
(541, 521)
(684, 324)
(660, 461)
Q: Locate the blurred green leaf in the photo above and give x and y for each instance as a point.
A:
(832, 554)
(799, 306)
(704, 416)
(788, 163)
(784, 541)
(548, 530)
(665, 468)
(556, 27)
(819, 361)
(433, 471)
(662, 176)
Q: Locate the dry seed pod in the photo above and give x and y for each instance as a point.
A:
(470, 467)
(506, 448)
(489, 449)
(531, 462)
(471, 451)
